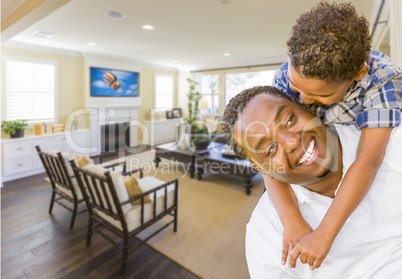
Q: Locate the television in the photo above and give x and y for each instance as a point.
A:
(114, 83)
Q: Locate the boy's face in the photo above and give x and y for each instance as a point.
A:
(316, 91)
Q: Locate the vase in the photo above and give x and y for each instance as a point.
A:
(19, 133)
(200, 141)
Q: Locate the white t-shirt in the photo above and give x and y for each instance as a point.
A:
(369, 244)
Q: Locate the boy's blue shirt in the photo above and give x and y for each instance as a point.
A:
(374, 101)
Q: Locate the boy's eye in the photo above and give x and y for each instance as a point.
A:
(289, 122)
(271, 150)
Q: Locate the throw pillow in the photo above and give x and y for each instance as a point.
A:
(134, 190)
(83, 160)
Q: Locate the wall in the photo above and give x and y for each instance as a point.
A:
(148, 84)
(71, 93)
(72, 86)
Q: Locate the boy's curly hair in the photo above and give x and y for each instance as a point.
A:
(330, 42)
(235, 108)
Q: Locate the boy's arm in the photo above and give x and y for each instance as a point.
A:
(355, 185)
(285, 203)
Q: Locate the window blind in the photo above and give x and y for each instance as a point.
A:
(163, 91)
(30, 91)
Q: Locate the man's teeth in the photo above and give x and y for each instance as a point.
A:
(309, 153)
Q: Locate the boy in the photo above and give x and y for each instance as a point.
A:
(333, 71)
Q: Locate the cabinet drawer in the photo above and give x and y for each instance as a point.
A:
(17, 165)
(20, 148)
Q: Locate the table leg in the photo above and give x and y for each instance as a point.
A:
(156, 161)
(248, 184)
(200, 171)
(191, 170)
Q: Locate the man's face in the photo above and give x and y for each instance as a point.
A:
(316, 91)
(286, 140)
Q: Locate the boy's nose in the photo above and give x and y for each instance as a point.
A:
(306, 100)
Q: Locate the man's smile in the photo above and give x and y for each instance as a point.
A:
(310, 155)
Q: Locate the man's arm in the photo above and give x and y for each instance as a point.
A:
(370, 153)
(285, 203)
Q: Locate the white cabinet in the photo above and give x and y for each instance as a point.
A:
(19, 156)
(157, 132)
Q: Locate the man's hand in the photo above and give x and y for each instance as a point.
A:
(292, 234)
(312, 249)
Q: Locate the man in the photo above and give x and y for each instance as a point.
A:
(287, 142)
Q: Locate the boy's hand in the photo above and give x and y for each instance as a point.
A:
(312, 249)
(292, 234)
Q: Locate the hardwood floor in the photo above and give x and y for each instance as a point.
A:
(36, 244)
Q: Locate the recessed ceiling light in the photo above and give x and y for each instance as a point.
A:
(42, 34)
(227, 54)
(148, 27)
(114, 14)
(91, 44)
(224, 3)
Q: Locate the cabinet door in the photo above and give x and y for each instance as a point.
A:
(51, 143)
(160, 129)
(18, 148)
(76, 142)
(171, 130)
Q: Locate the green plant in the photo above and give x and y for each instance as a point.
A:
(193, 98)
(195, 129)
(12, 126)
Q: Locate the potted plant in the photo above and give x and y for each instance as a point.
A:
(199, 136)
(14, 127)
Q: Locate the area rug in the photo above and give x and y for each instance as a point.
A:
(212, 219)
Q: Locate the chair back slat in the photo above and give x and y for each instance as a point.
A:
(104, 185)
(99, 192)
(56, 170)
(94, 185)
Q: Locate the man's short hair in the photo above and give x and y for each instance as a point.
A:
(235, 108)
(330, 42)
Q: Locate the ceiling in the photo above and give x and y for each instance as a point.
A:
(188, 34)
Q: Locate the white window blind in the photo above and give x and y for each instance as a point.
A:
(163, 91)
(30, 90)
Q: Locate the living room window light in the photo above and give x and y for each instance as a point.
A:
(29, 90)
(163, 91)
(237, 82)
(210, 94)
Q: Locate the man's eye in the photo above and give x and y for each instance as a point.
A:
(272, 149)
(289, 122)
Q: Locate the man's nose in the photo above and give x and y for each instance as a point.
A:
(305, 99)
(290, 140)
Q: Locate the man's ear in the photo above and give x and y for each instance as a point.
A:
(362, 72)
(262, 171)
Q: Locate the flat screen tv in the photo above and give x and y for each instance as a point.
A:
(114, 83)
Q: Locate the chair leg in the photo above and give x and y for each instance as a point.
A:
(125, 254)
(52, 202)
(89, 233)
(175, 221)
(74, 215)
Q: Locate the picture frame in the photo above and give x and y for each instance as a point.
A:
(106, 82)
(169, 114)
(176, 112)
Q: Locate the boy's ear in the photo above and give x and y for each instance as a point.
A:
(362, 72)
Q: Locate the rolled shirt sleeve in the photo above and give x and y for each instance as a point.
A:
(382, 106)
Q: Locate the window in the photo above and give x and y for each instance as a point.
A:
(163, 91)
(237, 82)
(209, 103)
(30, 90)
